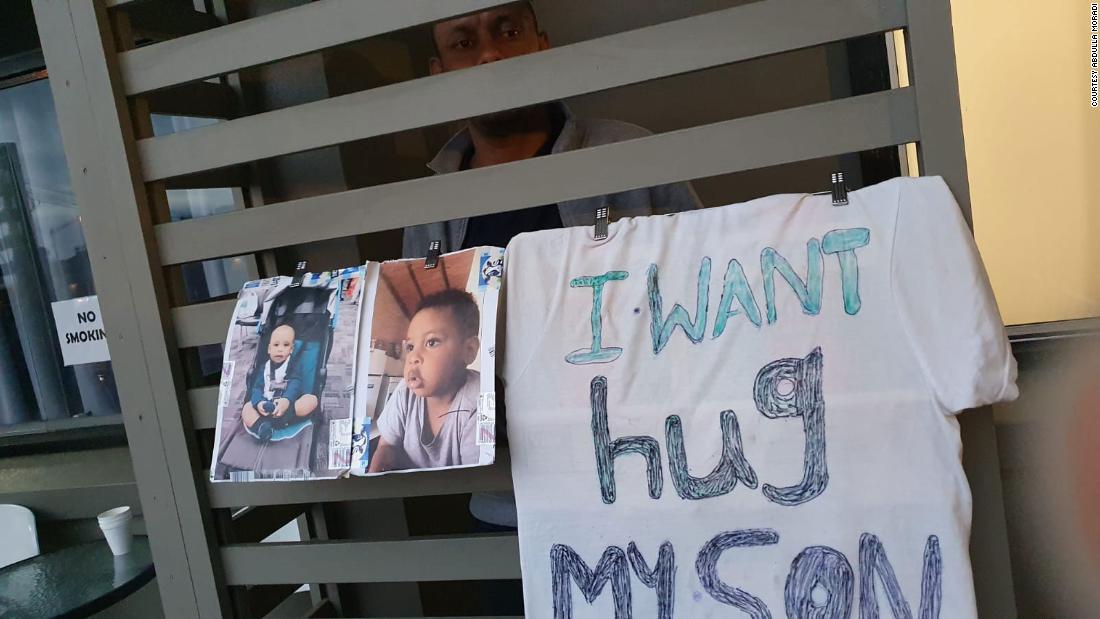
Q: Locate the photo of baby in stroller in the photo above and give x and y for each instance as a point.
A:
(287, 378)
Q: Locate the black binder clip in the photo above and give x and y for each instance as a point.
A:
(603, 220)
(432, 260)
(299, 273)
(839, 189)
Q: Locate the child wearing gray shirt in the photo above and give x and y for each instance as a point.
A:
(430, 420)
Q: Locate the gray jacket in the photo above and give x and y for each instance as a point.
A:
(575, 134)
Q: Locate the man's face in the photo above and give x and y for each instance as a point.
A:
(488, 36)
(281, 344)
(436, 353)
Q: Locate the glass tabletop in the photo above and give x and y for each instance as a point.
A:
(74, 581)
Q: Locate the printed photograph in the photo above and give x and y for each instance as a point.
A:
(425, 386)
(285, 403)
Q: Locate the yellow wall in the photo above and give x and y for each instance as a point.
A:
(1033, 152)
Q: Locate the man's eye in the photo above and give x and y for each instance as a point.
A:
(464, 44)
(511, 33)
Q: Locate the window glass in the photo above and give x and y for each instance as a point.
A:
(209, 278)
(44, 259)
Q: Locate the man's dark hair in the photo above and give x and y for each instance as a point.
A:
(526, 3)
(463, 308)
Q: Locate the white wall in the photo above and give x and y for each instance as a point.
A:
(1033, 152)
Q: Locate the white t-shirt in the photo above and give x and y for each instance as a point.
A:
(827, 347)
(401, 424)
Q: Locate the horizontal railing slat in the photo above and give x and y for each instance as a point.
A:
(1080, 327)
(202, 323)
(717, 38)
(496, 477)
(77, 482)
(275, 36)
(821, 130)
(76, 502)
(483, 557)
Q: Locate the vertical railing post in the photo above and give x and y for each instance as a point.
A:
(98, 135)
(942, 152)
(931, 60)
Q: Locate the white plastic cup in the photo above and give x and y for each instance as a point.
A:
(115, 524)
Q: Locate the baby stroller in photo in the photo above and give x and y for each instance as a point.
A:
(307, 311)
(287, 443)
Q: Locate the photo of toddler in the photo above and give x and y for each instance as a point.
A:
(430, 420)
(426, 369)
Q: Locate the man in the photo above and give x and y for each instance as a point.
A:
(512, 135)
